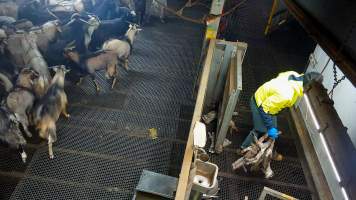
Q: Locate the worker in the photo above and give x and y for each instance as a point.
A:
(272, 97)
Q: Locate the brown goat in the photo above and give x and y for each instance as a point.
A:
(21, 99)
(90, 64)
(47, 111)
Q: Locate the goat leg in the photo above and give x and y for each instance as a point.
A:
(50, 147)
(113, 82)
(23, 154)
(27, 132)
(126, 64)
(80, 81)
(95, 83)
(238, 163)
(65, 113)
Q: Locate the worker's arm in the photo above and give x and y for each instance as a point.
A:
(267, 118)
(271, 106)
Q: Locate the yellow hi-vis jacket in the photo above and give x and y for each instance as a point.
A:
(279, 93)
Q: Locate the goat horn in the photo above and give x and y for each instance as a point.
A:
(70, 22)
(52, 14)
(82, 20)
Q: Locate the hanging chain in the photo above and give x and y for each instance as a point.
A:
(336, 81)
(347, 38)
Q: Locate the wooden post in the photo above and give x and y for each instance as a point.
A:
(185, 182)
(273, 10)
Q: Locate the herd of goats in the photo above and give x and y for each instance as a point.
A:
(86, 35)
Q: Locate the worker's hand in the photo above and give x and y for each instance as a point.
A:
(273, 133)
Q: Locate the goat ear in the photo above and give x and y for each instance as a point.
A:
(139, 29)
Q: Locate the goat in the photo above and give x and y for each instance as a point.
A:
(81, 30)
(45, 34)
(123, 48)
(21, 99)
(6, 20)
(125, 13)
(9, 9)
(48, 109)
(6, 82)
(89, 64)
(258, 156)
(108, 29)
(34, 11)
(104, 9)
(23, 52)
(10, 133)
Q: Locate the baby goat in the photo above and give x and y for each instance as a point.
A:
(47, 111)
(123, 48)
(89, 64)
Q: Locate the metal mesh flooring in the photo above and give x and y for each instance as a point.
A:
(104, 146)
(285, 49)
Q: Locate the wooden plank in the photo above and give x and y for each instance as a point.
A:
(273, 10)
(314, 167)
(340, 145)
(185, 184)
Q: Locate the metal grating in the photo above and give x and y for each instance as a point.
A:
(104, 146)
(234, 188)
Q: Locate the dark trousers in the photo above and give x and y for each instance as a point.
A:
(259, 127)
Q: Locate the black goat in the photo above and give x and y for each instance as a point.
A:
(108, 29)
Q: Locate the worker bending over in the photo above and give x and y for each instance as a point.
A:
(272, 97)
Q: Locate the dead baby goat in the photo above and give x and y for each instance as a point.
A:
(89, 64)
(48, 109)
(123, 48)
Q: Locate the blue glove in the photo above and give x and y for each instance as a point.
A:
(273, 133)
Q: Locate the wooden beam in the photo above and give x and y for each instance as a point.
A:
(345, 62)
(185, 183)
(341, 148)
(270, 18)
(314, 167)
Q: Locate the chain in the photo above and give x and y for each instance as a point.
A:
(347, 38)
(202, 20)
(336, 81)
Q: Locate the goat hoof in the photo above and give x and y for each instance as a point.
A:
(23, 157)
(67, 115)
(51, 156)
(29, 134)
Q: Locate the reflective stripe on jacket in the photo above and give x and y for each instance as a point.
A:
(279, 93)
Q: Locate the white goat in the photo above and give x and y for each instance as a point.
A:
(123, 47)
